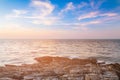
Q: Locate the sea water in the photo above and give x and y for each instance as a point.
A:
(24, 51)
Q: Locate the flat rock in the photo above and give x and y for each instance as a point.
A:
(61, 68)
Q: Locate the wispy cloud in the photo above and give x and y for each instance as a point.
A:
(109, 14)
(89, 15)
(95, 4)
(16, 13)
(81, 5)
(45, 21)
(68, 7)
(42, 13)
(42, 8)
(96, 14)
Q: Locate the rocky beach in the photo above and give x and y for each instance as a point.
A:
(61, 68)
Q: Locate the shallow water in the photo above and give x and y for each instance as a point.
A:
(24, 51)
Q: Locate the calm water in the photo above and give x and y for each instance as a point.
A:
(24, 51)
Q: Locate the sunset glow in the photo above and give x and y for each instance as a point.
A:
(53, 19)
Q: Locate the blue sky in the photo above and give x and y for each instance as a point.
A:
(60, 19)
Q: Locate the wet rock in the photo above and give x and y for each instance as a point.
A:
(110, 75)
(83, 61)
(6, 78)
(92, 76)
(46, 59)
(73, 77)
(116, 68)
(18, 77)
(9, 65)
(61, 68)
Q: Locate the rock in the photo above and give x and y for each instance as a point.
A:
(18, 77)
(116, 68)
(9, 65)
(82, 61)
(110, 75)
(73, 77)
(46, 59)
(34, 76)
(92, 76)
(61, 68)
(6, 78)
(77, 71)
(28, 77)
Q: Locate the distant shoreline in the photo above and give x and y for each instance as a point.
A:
(61, 39)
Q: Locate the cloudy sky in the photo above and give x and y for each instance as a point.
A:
(59, 19)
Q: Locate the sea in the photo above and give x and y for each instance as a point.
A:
(19, 52)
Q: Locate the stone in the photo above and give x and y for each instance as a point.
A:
(92, 76)
(6, 78)
(61, 68)
(110, 75)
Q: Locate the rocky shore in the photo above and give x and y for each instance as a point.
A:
(61, 68)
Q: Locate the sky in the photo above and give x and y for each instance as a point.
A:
(59, 19)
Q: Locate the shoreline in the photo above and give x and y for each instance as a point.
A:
(69, 57)
(61, 68)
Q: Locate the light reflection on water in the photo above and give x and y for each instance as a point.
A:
(24, 51)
